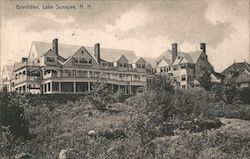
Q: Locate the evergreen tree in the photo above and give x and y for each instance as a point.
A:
(205, 81)
(13, 115)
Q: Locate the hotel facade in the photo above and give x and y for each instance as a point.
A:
(53, 68)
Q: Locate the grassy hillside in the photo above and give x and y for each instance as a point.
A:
(155, 124)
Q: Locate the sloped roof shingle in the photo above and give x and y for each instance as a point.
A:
(66, 51)
(191, 57)
(241, 66)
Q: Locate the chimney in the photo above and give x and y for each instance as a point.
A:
(174, 51)
(55, 45)
(97, 52)
(24, 59)
(203, 47)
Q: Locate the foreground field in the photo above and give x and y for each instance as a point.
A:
(150, 125)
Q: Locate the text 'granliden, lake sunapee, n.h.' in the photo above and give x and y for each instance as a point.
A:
(55, 6)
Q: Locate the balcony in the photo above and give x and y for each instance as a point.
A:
(20, 80)
(18, 66)
(112, 77)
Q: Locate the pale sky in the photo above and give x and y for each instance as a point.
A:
(148, 27)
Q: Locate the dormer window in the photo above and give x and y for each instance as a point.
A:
(183, 65)
(140, 65)
(51, 59)
(82, 60)
(183, 77)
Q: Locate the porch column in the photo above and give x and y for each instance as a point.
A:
(119, 88)
(74, 85)
(129, 89)
(88, 86)
(126, 89)
(112, 87)
(47, 87)
(59, 87)
(51, 88)
(58, 73)
(88, 74)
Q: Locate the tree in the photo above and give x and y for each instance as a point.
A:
(205, 81)
(101, 95)
(13, 115)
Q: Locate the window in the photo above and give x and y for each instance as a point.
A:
(74, 73)
(161, 70)
(45, 88)
(85, 61)
(175, 67)
(183, 87)
(125, 65)
(120, 64)
(183, 65)
(140, 65)
(48, 87)
(76, 60)
(90, 61)
(50, 59)
(190, 65)
(183, 77)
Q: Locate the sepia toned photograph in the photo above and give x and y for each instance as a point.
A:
(125, 79)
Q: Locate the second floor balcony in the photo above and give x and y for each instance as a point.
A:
(90, 74)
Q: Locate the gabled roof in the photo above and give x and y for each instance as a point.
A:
(9, 69)
(177, 61)
(239, 67)
(111, 55)
(151, 61)
(66, 51)
(195, 55)
(188, 57)
(164, 62)
(191, 57)
(216, 77)
(135, 60)
(167, 55)
(243, 77)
